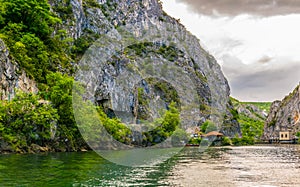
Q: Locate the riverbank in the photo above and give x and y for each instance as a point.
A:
(5, 148)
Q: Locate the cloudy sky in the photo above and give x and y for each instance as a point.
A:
(257, 42)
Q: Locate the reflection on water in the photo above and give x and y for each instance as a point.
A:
(76, 169)
(231, 166)
(139, 157)
(240, 166)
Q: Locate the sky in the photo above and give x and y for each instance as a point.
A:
(256, 42)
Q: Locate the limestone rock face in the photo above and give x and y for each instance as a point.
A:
(284, 116)
(138, 35)
(133, 41)
(11, 77)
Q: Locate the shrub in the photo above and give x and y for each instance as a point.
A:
(195, 141)
(245, 140)
(25, 121)
(226, 141)
(208, 126)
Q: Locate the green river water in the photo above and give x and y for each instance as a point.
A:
(229, 166)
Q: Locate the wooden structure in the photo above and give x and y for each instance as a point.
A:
(214, 137)
(213, 133)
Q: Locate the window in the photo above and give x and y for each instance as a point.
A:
(281, 135)
(286, 135)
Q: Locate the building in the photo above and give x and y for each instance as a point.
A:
(285, 136)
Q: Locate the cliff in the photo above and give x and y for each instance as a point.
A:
(139, 36)
(131, 57)
(284, 116)
(12, 77)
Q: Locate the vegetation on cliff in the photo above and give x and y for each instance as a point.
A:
(28, 118)
(27, 27)
(251, 116)
(25, 121)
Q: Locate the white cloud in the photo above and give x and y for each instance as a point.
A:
(237, 7)
(267, 81)
(263, 43)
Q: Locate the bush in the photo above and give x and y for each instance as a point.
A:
(34, 15)
(165, 127)
(25, 121)
(195, 141)
(245, 140)
(208, 126)
(115, 127)
(226, 141)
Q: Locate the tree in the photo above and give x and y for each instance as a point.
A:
(115, 127)
(59, 91)
(208, 126)
(165, 126)
(171, 119)
(38, 64)
(27, 27)
(25, 120)
(35, 15)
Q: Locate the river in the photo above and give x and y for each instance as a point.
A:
(225, 166)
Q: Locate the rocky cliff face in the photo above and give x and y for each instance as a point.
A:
(284, 116)
(12, 77)
(137, 36)
(138, 61)
(251, 111)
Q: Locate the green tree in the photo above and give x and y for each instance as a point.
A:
(115, 127)
(165, 126)
(27, 27)
(35, 15)
(171, 119)
(59, 91)
(252, 128)
(208, 126)
(38, 65)
(26, 120)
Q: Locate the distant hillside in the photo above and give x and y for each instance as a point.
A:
(264, 106)
(251, 116)
(252, 109)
